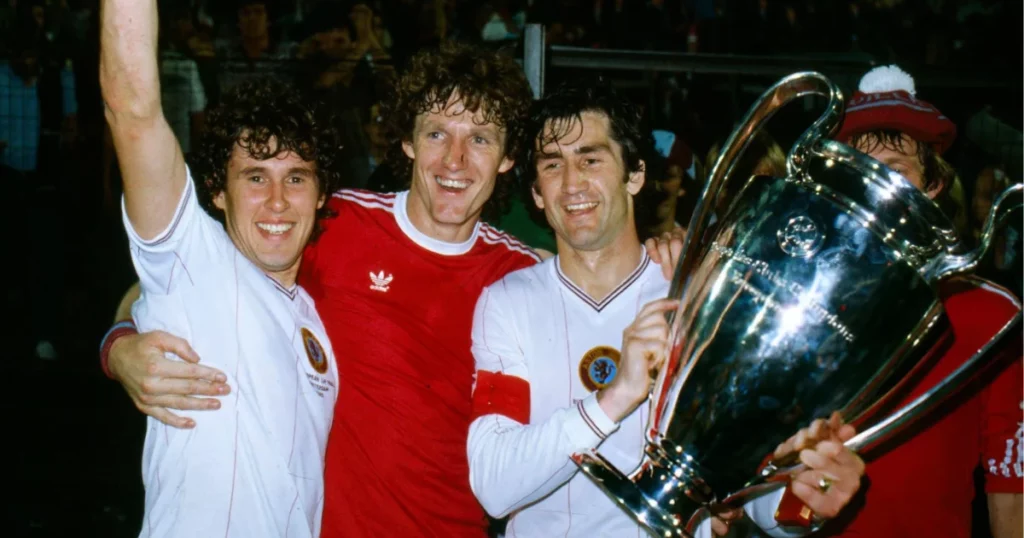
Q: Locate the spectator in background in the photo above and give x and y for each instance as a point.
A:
(500, 21)
(182, 94)
(344, 46)
(256, 52)
(37, 117)
(790, 35)
(1003, 261)
(678, 186)
(373, 127)
(763, 157)
(346, 63)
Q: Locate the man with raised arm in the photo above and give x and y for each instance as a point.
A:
(395, 277)
(217, 248)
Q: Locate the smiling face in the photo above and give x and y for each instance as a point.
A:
(583, 186)
(456, 161)
(270, 209)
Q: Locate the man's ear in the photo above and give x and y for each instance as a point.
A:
(537, 199)
(636, 179)
(408, 149)
(218, 201)
(506, 165)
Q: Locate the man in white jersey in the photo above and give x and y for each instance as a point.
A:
(226, 283)
(552, 379)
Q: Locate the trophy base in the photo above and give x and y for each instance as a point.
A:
(656, 496)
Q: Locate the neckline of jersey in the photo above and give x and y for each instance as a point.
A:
(436, 246)
(290, 291)
(623, 286)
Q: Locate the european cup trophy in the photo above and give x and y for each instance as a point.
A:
(803, 295)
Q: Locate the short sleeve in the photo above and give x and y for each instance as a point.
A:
(191, 244)
(1002, 441)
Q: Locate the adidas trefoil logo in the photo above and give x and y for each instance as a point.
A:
(379, 281)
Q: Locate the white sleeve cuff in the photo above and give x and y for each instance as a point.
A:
(761, 510)
(166, 240)
(588, 426)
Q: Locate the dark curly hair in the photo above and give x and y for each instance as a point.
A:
(562, 110)
(249, 116)
(486, 81)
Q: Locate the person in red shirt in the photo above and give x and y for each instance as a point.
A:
(921, 483)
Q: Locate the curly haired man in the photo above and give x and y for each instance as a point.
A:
(263, 171)
(395, 278)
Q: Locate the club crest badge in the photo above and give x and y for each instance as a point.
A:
(598, 367)
(314, 351)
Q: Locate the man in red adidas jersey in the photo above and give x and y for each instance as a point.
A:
(922, 484)
(395, 278)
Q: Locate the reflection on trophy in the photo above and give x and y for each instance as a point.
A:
(806, 294)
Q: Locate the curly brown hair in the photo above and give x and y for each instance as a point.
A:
(251, 116)
(486, 81)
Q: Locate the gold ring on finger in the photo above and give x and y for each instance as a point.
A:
(824, 484)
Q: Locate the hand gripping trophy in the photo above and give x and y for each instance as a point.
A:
(804, 295)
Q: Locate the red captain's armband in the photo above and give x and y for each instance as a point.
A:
(501, 394)
(792, 512)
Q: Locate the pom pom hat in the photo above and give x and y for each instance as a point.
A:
(885, 99)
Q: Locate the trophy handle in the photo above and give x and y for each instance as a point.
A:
(952, 265)
(896, 422)
(786, 90)
(899, 420)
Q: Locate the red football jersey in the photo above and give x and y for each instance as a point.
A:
(398, 308)
(921, 483)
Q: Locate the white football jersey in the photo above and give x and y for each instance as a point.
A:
(254, 467)
(538, 326)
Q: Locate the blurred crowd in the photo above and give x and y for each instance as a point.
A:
(58, 161)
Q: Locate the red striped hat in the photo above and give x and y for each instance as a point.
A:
(885, 100)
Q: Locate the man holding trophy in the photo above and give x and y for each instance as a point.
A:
(931, 470)
(554, 376)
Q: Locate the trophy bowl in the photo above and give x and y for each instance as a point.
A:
(807, 294)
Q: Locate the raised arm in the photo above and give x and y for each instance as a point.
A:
(150, 159)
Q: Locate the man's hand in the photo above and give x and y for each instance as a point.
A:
(156, 383)
(833, 471)
(644, 348)
(722, 517)
(666, 249)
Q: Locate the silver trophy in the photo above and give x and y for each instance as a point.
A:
(799, 296)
